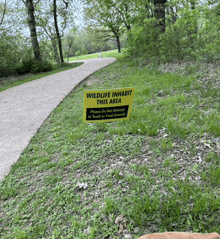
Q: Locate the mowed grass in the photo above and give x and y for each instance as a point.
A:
(158, 171)
(95, 55)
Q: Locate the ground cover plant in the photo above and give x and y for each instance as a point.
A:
(158, 171)
(11, 81)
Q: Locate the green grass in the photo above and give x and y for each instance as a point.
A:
(159, 170)
(95, 55)
(10, 82)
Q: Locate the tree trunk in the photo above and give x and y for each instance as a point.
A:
(56, 55)
(118, 44)
(193, 4)
(174, 15)
(57, 30)
(70, 43)
(68, 54)
(32, 26)
(3, 13)
(159, 13)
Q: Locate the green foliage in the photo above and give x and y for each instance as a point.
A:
(33, 66)
(106, 20)
(17, 58)
(82, 42)
(110, 206)
(191, 34)
(143, 39)
(12, 49)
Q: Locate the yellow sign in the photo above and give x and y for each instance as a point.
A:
(107, 105)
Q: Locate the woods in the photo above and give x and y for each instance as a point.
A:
(162, 30)
(155, 30)
(21, 52)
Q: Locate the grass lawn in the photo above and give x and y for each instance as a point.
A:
(158, 171)
(95, 55)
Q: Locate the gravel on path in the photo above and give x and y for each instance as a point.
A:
(24, 108)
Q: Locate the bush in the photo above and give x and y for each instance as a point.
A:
(6, 69)
(43, 66)
(24, 67)
(144, 40)
(33, 66)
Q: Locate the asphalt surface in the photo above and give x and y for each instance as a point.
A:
(24, 108)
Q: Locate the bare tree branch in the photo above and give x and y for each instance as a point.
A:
(3, 13)
(66, 3)
(122, 15)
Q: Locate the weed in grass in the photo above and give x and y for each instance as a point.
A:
(52, 179)
(21, 234)
(174, 168)
(167, 162)
(109, 183)
(213, 158)
(116, 172)
(212, 175)
(146, 91)
(110, 206)
(166, 144)
(8, 192)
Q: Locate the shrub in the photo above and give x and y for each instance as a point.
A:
(33, 66)
(6, 69)
(43, 66)
(24, 67)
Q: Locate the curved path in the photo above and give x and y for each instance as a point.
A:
(24, 108)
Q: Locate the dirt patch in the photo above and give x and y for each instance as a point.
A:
(91, 80)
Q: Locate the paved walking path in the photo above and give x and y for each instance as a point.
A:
(24, 108)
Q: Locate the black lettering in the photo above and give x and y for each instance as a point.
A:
(115, 101)
(102, 102)
(98, 95)
(90, 95)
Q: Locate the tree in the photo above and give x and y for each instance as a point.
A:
(32, 26)
(159, 12)
(57, 29)
(3, 15)
(105, 20)
(44, 24)
(69, 41)
(64, 13)
(124, 9)
(53, 16)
